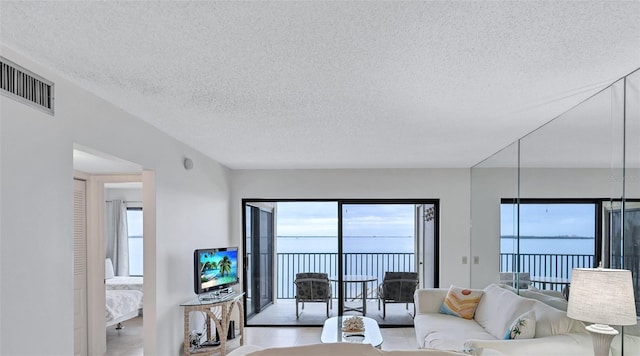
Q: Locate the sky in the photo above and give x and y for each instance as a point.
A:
(549, 220)
(321, 219)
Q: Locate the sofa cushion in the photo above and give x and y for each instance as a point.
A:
(461, 302)
(508, 287)
(447, 332)
(558, 303)
(551, 321)
(549, 292)
(429, 300)
(524, 327)
(498, 308)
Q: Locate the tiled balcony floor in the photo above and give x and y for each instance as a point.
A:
(283, 313)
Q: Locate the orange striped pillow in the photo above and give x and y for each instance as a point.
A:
(461, 302)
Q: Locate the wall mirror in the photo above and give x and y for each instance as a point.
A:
(564, 196)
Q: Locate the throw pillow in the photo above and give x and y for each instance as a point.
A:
(108, 269)
(461, 302)
(524, 327)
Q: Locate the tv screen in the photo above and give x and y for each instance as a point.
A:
(215, 269)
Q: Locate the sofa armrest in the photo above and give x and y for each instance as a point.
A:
(569, 344)
(429, 300)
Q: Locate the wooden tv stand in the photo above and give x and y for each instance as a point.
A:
(219, 310)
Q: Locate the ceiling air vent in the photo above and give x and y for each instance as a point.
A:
(25, 86)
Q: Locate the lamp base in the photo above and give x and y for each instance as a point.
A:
(601, 335)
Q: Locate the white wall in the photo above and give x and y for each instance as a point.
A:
(192, 210)
(451, 186)
(133, 196)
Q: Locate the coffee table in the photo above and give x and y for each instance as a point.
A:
(332, 332)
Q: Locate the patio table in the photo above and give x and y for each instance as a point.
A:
(356, 278)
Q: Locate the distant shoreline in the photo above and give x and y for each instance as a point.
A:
(404, 237)
(548, 237)
(349, 237)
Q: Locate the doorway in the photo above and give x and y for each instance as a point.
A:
(343, 240)
(99, 171)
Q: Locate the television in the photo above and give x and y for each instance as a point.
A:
(215, 269)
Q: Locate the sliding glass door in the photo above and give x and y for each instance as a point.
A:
(259, 253)
(352, 244)
(379, 266)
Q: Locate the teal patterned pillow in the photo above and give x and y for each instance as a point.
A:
(524, 327)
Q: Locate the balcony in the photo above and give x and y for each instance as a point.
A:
(376, 264)
(371, 264)
(545, 265)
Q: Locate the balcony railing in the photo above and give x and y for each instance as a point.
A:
(371, 264)
(376, 264)
(545, 264)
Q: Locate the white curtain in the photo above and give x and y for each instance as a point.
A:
(117, 238)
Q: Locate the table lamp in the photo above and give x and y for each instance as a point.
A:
(604, 297)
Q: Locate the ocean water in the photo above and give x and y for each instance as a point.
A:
(405, 244)
(377, 265)
(546, 245)
(357, 244)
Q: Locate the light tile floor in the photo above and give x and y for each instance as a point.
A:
(128, 341)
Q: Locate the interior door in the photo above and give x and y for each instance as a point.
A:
(80, 330)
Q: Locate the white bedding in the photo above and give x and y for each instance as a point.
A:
(121, 305)
(125, 283)
(121, 282)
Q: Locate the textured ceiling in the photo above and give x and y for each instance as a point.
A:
(335, 84)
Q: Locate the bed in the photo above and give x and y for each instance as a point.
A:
(121, 305)
(125, 283)
(123, 297)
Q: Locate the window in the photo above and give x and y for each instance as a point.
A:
(134, 231)
(555, 236)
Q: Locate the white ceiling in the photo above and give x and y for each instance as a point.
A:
(335, 84)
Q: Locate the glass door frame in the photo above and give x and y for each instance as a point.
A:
(417, 251)
(252, 292)
(340, 202)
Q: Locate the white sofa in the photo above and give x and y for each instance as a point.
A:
(446, 335)
(555, 333)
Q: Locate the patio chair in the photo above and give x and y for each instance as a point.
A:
(509, 278)
(313, 287)
(566, 291)
(397, 287)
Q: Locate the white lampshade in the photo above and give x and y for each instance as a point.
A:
(602, 296)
